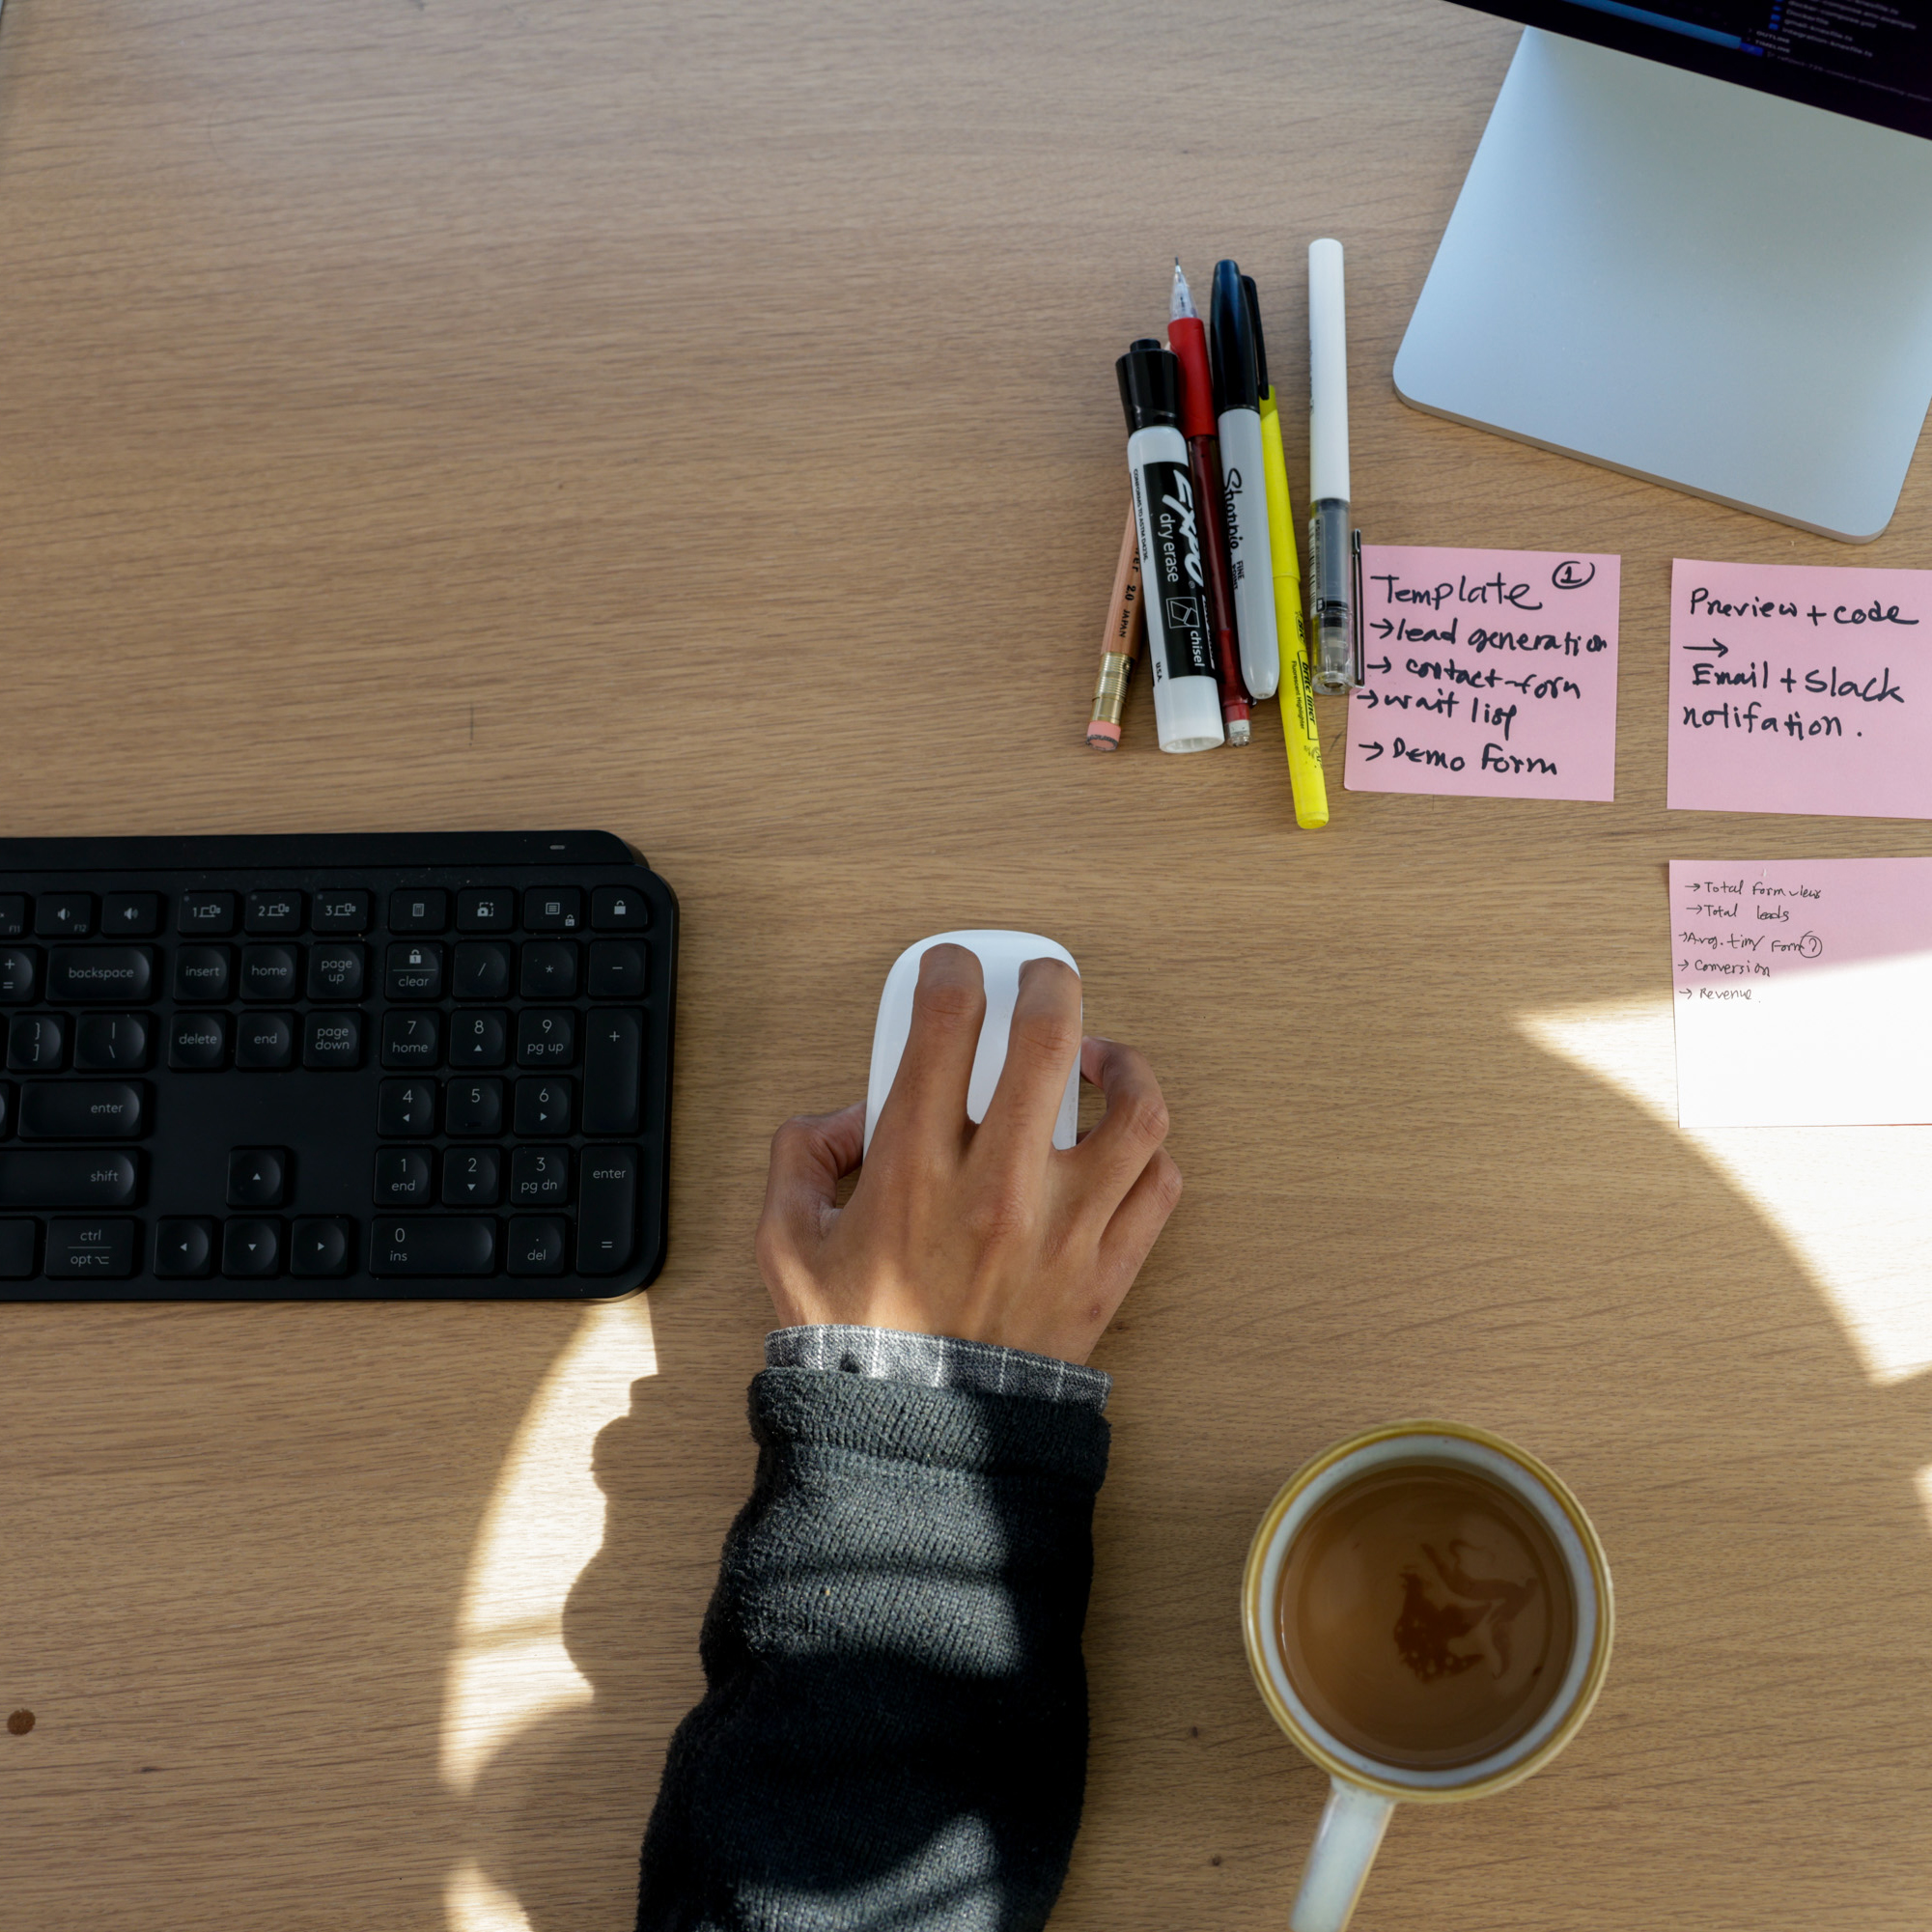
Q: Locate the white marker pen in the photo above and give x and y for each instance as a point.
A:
(1180, 648)
(1332, 615)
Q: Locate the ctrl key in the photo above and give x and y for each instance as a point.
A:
(91, 1250)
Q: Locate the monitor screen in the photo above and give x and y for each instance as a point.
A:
(1866, 58)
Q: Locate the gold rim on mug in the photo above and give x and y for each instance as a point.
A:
(1256, 1633)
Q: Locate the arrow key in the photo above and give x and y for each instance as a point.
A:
(251, 1250)
(183, 1250)
(258, 1177)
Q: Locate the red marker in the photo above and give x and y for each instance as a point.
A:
(1188, 338)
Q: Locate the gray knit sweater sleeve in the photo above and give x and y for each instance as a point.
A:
(894, 1733)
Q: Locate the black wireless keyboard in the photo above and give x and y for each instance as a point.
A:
(391, 1067)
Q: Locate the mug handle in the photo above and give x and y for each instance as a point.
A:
(1345, 1847)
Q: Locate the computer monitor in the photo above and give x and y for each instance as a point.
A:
(1695, 245)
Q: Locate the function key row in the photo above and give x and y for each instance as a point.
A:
(332, 972)
(350, 912)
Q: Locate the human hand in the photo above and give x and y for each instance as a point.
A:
(987, 1232)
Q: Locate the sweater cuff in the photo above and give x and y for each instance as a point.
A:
(936, 1362)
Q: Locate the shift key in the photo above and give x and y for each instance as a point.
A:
(71, 1177)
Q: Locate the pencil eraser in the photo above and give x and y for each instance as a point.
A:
(1104, 736)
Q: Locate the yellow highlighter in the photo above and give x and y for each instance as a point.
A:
(1298, 694)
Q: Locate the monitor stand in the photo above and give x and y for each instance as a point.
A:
(1689, 282)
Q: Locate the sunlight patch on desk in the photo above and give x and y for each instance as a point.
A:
(509, 1668)
(1850, 1203)
(473, 1904)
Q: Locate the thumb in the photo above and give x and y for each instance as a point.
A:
(809, 1158)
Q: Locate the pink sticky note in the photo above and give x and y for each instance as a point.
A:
(1801, 689)
(1490, 672)
(1802, 988)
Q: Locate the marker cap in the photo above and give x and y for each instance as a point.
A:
(1237, 384)
(1150, 385)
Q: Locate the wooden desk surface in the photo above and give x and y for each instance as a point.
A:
(699, 422)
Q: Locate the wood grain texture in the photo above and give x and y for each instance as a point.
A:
(698, 421)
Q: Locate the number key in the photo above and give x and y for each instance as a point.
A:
(411, 1039)
(479, 1039)
(472, 1177)
(544, 1108)
(540, 1177)
(406, 1109)
(545, 1039)
(475, 1108)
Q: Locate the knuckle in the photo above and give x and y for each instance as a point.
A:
(1002, 1215)
(951, 1002)
(1048, 1035)
(1143, 1116)
(1166, 1182)
(796, 1138)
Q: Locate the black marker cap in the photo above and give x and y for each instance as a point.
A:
(1150, 385)
(1262, 384)
(1237, 384)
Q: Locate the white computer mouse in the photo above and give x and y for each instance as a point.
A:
(1001, 954)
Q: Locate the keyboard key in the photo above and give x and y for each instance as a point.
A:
(13, 911)
(20, 1246)
(482, 970)
(203, 973)
(419, 912)
(536, 1246)
(490, 909)
(446, 1244)
(133, 915)
(210, 913)
(619, 908)
(606, 1210)
(472, 1177)
(340, 912)
(68, 1177)
(402, 1178)
(553, 908)
(101, 1250)
(80, 1111)
(540, 1177)
(474, 1108)
(251, 1250)
(111, 1042)
(87, 975)
(544, 1108)
(183, 1250)
(273, 911)
(406, 1109)
(412, 1039)
(550, 970)
(616, 969)
(332, 1040)
(197, 1041)
(5, 1106)
(271, 973)
(479, 1039)
(64, 916)
(545, 1039)
(612, 1072)
(265, 1041)
(321, 1247)
(37, 1043)
(335, 973)
(258, 1177)
(414, 970)
(19, 975)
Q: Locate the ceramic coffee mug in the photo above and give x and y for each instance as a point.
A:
(1365, 1791)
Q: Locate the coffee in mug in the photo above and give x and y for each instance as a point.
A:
(1428, 1615)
